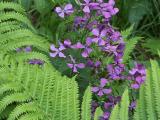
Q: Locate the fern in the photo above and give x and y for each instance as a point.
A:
(130, 43)
(86, 105)
(57, 96)
(30, 92)
(18, 32)
(121, 113)
(115, 113)
(98, 113)
(148, 104)
(13, 6)
(14, 96)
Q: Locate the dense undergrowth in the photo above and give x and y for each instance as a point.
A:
(79, 60)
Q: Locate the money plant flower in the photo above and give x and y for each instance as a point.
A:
(67, 10)
(101, 90)
(99, 36)
(74, 66)
(138, 74)
(57, 51)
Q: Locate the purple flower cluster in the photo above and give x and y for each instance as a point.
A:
(100, 36)
(138, 74)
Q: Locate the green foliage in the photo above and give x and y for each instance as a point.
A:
(16, 31)
(16, 103)
(56, 96)
(43, 6)
(33, 92)
(152, 45)
(138, 8)
(98, 113)
(148, 104)
(86, 105)
(121, 112)
(130, 43)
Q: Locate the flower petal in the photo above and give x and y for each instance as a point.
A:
(53, 54)
(107, 91)
(86, 9)
(78, 46)
(58, 10)
(95, 32)
(100, 93)
(74, 69)
(135, 86)
(53, 48)
(95, 89)
(106, 14)
(61, 55)
(103, 82)
(70, 65)
(80, 65)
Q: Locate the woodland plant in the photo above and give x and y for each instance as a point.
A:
(101, 48)
(86, 73)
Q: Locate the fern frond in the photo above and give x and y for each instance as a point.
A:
(13, 6)
(148, 103)
(5, 16)
(9, 26)
(129, 47)
(98, 113)
(15, 102)
(126, 33)
(121, 113)
(9, 87)
(16, 97)
(57, 96)
(115, 113)
(31, 55)
(27, 41)
(86, 105)
(22, 109)
(130, 43)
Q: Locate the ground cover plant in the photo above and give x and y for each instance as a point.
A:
(72, 60)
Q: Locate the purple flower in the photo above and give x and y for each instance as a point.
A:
(67, 43)
(68, 9)
(110, 48)
(116, 36)
(107, 9)
(115, 71)
(95, 65)
(80, 21)
(18, 50)
(57, 51)
(86, 8)
(87, 49)
(138, 74)
(99, 36)
(133, 105)
(100, 90)
(74, 65)
(106, 115)
(28, 49)
(36, 62)
(78, 45)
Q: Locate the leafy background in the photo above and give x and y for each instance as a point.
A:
(142, 15)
